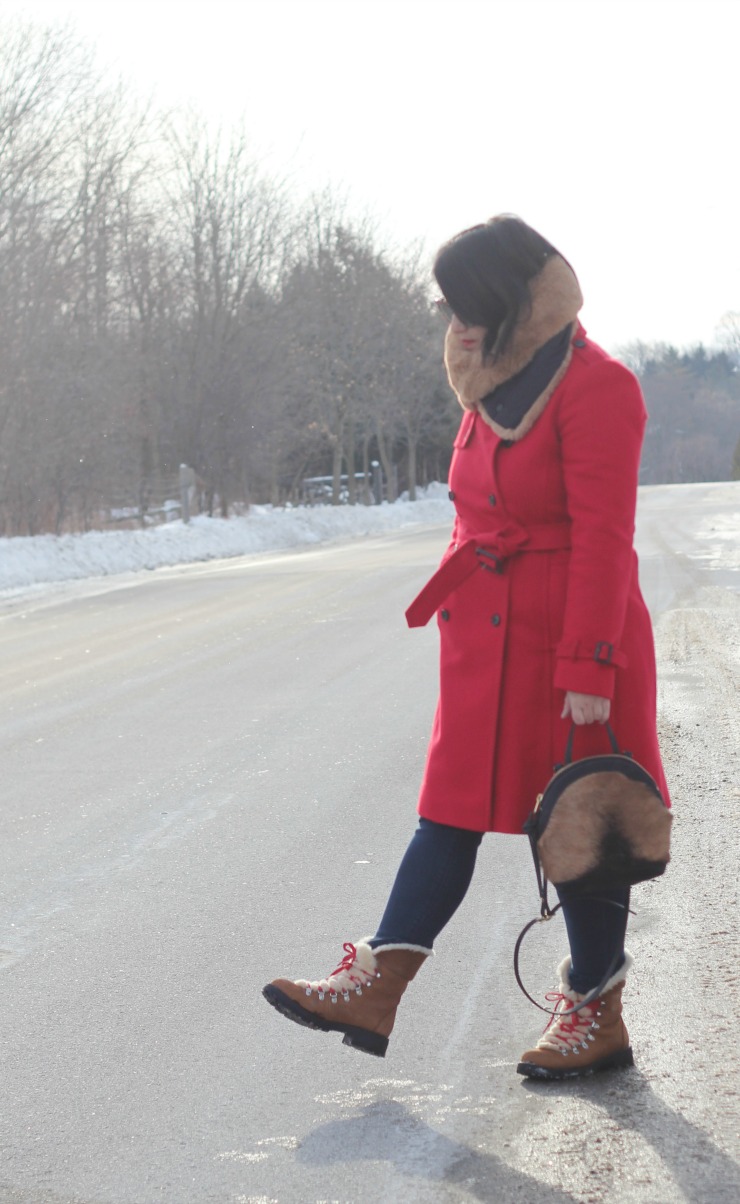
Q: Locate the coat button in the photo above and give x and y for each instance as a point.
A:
(492, 498)
(579, 342)
(444, 614)
(451, 495)
(496, 620)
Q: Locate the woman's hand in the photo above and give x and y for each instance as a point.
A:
(585, 708)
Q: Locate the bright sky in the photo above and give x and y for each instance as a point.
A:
(611, 126)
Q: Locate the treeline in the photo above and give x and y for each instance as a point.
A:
(693, 401)
(164, 301)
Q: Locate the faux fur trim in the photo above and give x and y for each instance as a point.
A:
(591, 814)
(556, 298)
(618, 976)
(408, 948)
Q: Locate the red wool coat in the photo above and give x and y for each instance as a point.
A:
(553, 605)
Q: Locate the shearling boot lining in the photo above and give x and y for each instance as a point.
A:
(408, 948)
(555, 301)
(618, 976)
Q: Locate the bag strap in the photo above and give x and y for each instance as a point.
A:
(571, 735)
(545, 911)
(595, 992)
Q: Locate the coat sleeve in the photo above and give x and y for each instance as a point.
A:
(601, 425)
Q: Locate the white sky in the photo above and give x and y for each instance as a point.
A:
(611, 126)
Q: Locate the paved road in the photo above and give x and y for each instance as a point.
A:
(209, 774)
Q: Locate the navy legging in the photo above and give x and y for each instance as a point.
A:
(432, 882)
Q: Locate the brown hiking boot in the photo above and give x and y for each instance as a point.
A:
(591, 1039)
(358, 999)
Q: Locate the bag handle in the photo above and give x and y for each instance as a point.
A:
(592, 994)
(571, 736)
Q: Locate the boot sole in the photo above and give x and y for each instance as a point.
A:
(357, 1038)
(622, 1058)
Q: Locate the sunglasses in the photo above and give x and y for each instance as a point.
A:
(444, 308)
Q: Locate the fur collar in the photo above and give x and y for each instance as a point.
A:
(555, 301)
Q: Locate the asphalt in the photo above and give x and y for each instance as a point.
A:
(209, 775)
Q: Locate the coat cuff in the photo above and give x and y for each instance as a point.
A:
(585, 677)
(600, 651)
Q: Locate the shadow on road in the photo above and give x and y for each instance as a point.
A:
(699, 1167)
(387, 1132)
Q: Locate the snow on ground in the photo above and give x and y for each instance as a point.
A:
(27, 562)
(35, 564)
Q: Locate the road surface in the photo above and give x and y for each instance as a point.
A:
(209, 774)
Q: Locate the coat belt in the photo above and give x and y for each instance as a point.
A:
(488, 552)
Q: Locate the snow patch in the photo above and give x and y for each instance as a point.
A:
(29, 561)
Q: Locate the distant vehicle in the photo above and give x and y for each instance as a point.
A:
(319, 491)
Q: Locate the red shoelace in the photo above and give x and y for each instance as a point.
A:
(568, 1030)
(347, 961)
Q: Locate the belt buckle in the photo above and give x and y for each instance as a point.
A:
(498, 564)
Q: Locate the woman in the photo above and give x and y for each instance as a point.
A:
(542, 625)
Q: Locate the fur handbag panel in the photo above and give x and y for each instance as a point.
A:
(601, 822)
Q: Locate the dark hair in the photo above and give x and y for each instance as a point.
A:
(484, 274)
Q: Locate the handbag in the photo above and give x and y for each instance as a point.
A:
(601, 822)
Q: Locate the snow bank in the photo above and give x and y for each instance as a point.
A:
(31, 563)
(41, 559)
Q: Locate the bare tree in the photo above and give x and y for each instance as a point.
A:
(228, 223)
(728, 334)
(161, 302)
(357, 332)
(45, 80)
